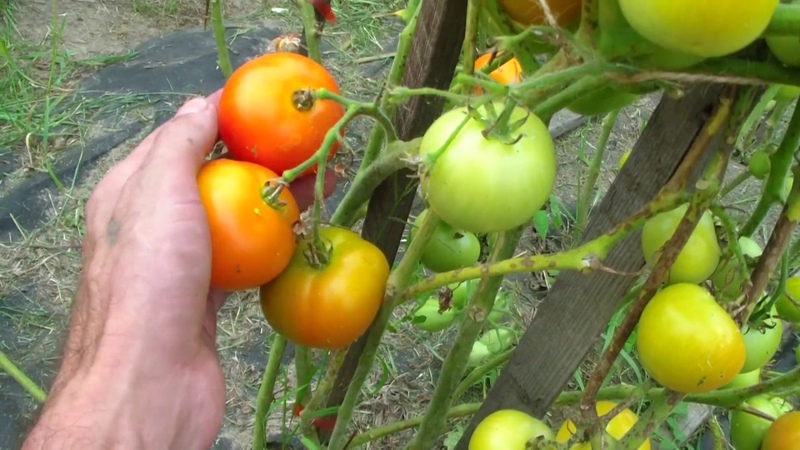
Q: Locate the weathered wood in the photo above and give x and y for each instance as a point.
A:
(431, 63)
(578, 307)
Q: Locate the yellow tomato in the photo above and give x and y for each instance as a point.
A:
(707, 28)
(687, 342)
(617, 427)
(508, 429)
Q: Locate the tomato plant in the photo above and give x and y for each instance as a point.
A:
(762, 342)
(788, 304)
(529, 12)
(327, 307)
(602, 101)
(252, 238)
(508, 429)
(728, 278)
(748, 430)
(487, 184)
(617, 427)
(268, 116)
(699, 257)
(708, 29)
(784, 433)
(687, 342)
(448, 248)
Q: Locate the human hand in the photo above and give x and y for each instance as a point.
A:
(140, 367)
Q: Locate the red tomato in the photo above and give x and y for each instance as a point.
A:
(332, 306)
(266, 116)
(251, 241)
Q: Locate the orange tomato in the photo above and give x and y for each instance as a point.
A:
(266, 116)
(784, 433)
(508, 73)
(251, 240)
(529, 12)
(327, 307)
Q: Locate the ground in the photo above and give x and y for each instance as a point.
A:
(55, 51)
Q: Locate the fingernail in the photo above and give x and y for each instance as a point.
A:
(193, 106)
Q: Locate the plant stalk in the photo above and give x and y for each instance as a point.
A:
(266, 391)
(20, 377)
(594, 170)
(217, 23)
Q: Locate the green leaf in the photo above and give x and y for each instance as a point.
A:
(541, 221)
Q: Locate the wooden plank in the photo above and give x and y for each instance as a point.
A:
(577, 309)
(435, 52)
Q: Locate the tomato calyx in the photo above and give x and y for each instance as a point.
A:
(303, 99)
(316, 250)
(271, 193)
(499, 128)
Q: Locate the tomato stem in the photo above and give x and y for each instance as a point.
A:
(559, 101)
(20, 377)
(335, 361)
(468, 48)
(266, 391)
(585, 194)
(219, 37)
(311, 30)
(521, 47)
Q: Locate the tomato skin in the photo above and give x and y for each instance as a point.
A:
(687, 342)
(448, 248)
(428, 317)
(258, 119)
(529, 12)
(483, 185)
(699, 257)
(507, 429)
(784, 433)
(251, 242)
(786, 49)
(617, 427)
(328, 308)
(710, 28)
(786, 309)
(748, 430)
(762, 343)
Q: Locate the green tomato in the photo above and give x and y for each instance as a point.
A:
(747, 430)
(762, 343)
(786, 307)
(759, 164)
(744, 380)
(462, 292)
(781, 405)
(602, 101)
(497, 339)
(727, 278)
(480, 353)
(428, 317)
(487, 184)
(785, 48)
(787, 92)
(448, 249)
(699, 257)
(500, 308)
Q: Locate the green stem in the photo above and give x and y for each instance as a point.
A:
(533, 89)
(524, 53)
(481, 371)
(594, 170)
(265, 391)
(785, 21)
(780, 163)
(372, 434)
(456, 361)
(397, 283)
(559, 101)
(745, 72)
(219, 36)
(321, 392)
(304, 371)
(20, 377)
(738, 180)
(309, 18)
(370, 109)
(755, 116)
(469, 47)
(660, 408)
(368, 180)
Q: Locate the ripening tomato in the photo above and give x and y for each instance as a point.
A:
(267, 117)
(788, 308)
(530, 12)
(617, 427)
(699, 257)
(484, 184)
(784, 433)
(252, 241)
(507, 74)
(687, 342)
(508, 429)
(709, 28)
(748, 430)
(448, 248)
(762, 342)
(327, 307)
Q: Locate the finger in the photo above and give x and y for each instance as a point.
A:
(303, 189)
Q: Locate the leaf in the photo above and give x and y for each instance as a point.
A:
(541, 221)
(452, 438)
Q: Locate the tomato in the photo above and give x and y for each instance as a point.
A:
(427, 317)
(529, 12)
(623, 159)
(789, 308)
(784, 433)
(498, 339)
(782, 406)
(462, 292)
(788, 92)
(448, 248)
(762, 342)
(508, 429)
(786, 49)
(617, 427)
(602, 101)
(478, 355)
(251, 241)
(482, 184)
(748, 430)
(708, 28)
(507, 74)
(699, 257)
(759, 164)
(744, 379)
(332, 306)
(687, 342)
(265, 118)
(727, 279)
(663, 59)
